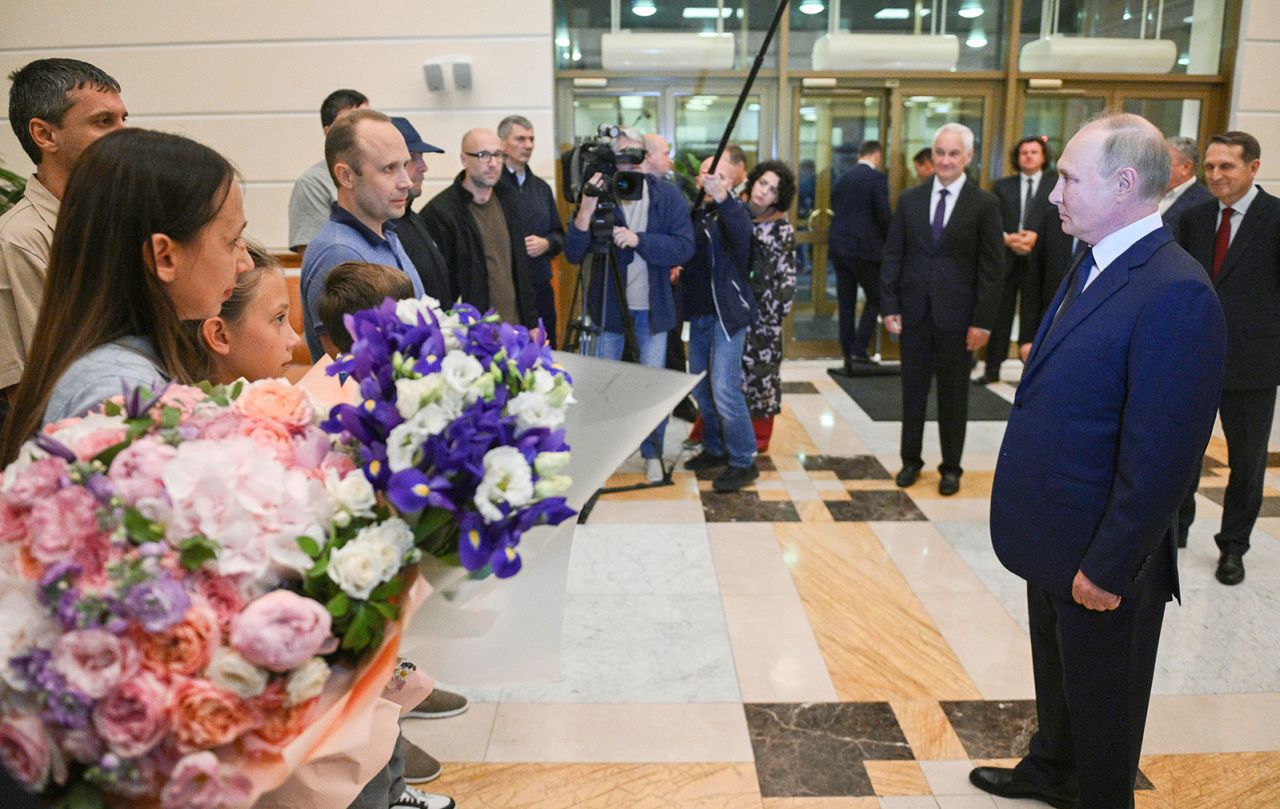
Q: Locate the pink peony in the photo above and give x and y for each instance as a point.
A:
(184, 648)
(27, 752)
(338, 462)
(271, 436)
(204, 716)
(65, 526)
(83, 746)
(94, 660)
(134, 716)
(36, 482)
(13, 524)
(217, 424)
(198, 781)
(183, 397)
(276, 400)
(281, 630)
(88, 436)
(223, 595)
(136, 471)
(310, 448)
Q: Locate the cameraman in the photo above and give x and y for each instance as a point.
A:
(650, 236)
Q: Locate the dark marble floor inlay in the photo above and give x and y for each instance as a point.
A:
(1000, 729)
(798, 387)
(1270, 502)
(868, 505)
(746, 507)
(1210, 463)
(763, 462)
(857, 467)
(817, 749)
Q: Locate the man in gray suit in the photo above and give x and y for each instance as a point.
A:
(1184, 193)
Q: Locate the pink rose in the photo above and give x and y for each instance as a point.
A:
(281, 722)
(217, 424)
(276, 400)
(13, 524)
(90, 435)
(137, 470)
(94, 660)
(223, 595)
(134, 716)
(65, 526)
(182, 397)
(339, 462)
(83, 746)
(27, 752)
(271, 436)
(310, 448)
(198, 781)
(184, 648)
(204, 716)
(37, 481)
(281, 630)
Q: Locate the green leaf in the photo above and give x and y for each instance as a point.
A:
(112, 408)
(236, 387)
(387, 611)
(359, 633)
(196, 550)
(319, 569)
(387, 590)
(81, 795)
(309, 546)
(170, 417)
(140, 529)
(339, 605)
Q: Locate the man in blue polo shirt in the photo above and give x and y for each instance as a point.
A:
(369, 162)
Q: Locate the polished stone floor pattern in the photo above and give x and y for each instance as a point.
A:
(825, 640)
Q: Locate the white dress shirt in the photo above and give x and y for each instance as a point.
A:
(1113, 245)
(1241, 208)
(953, 191)
(1170, 197)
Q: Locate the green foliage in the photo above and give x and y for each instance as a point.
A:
(195, 551)
(12, 187)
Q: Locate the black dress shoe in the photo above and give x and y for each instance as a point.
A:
(1005, 782)
(862, 359)
(985, 380)
(705, 460)
(949, 485)
(907, 475)
(1230, 568)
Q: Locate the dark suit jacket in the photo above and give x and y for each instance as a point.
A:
(1046, 267)
(1012, 189)
(1195, 195)
(425, 255)
(860, 214)
(1248, 286)
(957, 282)
(541, 218)
(1113, 412)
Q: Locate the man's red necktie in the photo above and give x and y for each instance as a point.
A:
(1221, 243)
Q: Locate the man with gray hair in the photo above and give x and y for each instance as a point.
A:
(544, 232)
(1114, 409)
(941, 276)
(1183, 192)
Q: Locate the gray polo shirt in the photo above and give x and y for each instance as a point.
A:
(102, 373)
(309, 203)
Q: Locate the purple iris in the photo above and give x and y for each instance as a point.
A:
(410, 491)
(157, 604)
(55, 448)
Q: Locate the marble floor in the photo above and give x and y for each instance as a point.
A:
(825, 640)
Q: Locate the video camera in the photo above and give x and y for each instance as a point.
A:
(596, 156)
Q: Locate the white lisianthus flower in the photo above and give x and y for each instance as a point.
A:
(460, 370)
(391, 540)
(507, 478)
(550, 463)
(407, 310)
(235, 675)
(352, 494)
(534, 410)
(414, 394)
(306, 681)
(551, 486)
(449, 326)
(357, 568)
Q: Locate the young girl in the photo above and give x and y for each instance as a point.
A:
(148, 235)
(251, 337)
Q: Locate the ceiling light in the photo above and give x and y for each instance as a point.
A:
(706, 12)
(977, 38)
(812, 7)
(643, 8)
(562, 42)
(893, 14)
(970, 10)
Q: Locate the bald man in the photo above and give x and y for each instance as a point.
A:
(477, 224)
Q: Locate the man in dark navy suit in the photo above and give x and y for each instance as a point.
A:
(1047, 265)
(941, 276)
(1023, 197)
(1183, 192)
(1114, 410)
(1236, 238)
(859, 222)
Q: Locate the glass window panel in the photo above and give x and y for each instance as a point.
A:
(1172, 116)
(1194, 26)
(1057, 117)
(701, 119)
(924, 114)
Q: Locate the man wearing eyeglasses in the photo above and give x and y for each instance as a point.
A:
(476, 222)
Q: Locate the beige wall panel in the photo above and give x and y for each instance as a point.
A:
(60, 23)
(1257, 76)
(1265, 126)
(507, 73)
(1261, 20)
(266, 207)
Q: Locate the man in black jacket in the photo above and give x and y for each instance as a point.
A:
(941, 272)
(1183, 192)
(478, 226)
(414, 236)
(1236, 238)
(860, 217)
(1023, 196)
(544, 239)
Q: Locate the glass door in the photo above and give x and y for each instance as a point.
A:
(830, 128)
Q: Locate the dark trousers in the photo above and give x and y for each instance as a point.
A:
(1002, 328)
(930, 353)
(1246, 423)
(1093, 673)
(856, 332)
(545, 301)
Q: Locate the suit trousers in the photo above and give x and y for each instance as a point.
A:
(1246, 424)
(1002, 328)
(851, 273)
(545, 302)
(928, 353)
(1093, 673)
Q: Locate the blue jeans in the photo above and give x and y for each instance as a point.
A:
(653, 353)
(726, 424)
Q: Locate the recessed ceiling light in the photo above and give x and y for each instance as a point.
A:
(812, 7)
(643, 8)
(893, 14)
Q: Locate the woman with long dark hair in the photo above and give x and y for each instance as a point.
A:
(148, 235)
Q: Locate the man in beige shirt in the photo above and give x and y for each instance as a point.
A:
(57, 107)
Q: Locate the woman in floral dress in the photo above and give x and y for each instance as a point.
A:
(771, 187)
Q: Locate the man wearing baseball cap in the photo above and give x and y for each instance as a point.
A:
(414, 236)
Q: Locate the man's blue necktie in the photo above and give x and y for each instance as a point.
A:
(939, 216)
(1077, 287)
